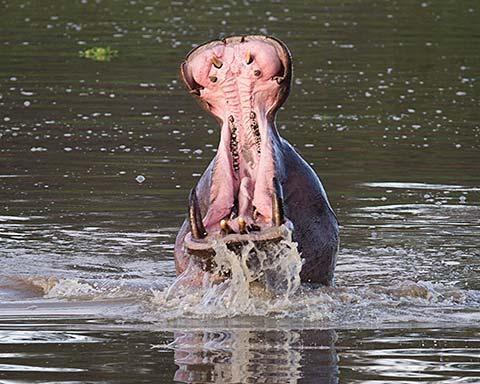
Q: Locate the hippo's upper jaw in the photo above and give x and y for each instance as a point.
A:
(242, 81)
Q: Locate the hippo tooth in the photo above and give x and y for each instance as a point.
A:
(278, 79)
(234, 211)
(195, 216)
(233, 143)
(249, 57)
(242, 225)
(253, 228)
(216, 62)
(278, 215)
(255, 213)
(226, 230)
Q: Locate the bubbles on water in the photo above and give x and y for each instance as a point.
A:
(38, 149)
(140, 179)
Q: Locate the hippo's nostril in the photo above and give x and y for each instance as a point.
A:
(216, 62)
(213, 79)
(257, 72)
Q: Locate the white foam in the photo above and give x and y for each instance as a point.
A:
(285, 298)
(261, 282)
(279, 295)
(440, 187)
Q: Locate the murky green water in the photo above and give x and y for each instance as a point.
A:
(385, 105)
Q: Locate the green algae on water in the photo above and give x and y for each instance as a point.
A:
(99, 53)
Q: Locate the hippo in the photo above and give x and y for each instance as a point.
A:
(257, 187)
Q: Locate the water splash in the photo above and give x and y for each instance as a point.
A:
(260, 281)
(272, 289)
(264, 285)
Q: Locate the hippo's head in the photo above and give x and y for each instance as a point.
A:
(242, 81)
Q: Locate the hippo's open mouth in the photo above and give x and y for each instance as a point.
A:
(242, 81)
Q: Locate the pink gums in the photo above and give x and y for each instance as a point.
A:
(238, 83)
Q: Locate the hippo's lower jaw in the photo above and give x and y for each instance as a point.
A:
(203, 250)
(201, 245)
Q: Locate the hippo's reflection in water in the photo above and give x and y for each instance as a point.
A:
(246, 356)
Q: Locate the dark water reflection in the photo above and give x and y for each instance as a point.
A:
(385, 107)
(89, 351)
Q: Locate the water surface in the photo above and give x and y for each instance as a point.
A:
(384, 105)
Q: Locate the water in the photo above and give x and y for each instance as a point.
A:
(97, 158)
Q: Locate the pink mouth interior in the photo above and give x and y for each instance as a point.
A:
(238, 81)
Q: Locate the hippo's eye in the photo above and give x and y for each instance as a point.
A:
(216, 62)
(249, 58)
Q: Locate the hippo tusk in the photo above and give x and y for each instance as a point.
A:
(242, 225)
(278, 214)
(216, 62)
(195, 216)
(248, 58)
(225, 227)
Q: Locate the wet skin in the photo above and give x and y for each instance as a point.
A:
(257, 187)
